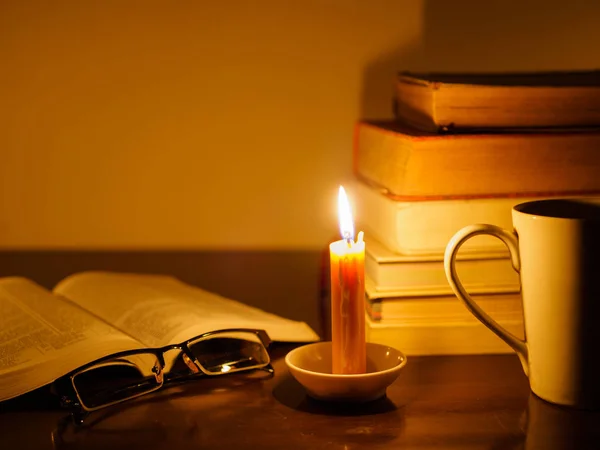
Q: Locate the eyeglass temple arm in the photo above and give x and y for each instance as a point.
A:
(78, 414)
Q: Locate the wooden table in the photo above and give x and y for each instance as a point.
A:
(450, 402)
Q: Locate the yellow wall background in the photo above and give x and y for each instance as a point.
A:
(226, 125)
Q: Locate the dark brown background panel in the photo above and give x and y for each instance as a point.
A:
(287, 283)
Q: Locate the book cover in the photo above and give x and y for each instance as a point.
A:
(442, 102)
(423, 228)
(399, 308)
(414, 165)
(449, 338)
(404, 275)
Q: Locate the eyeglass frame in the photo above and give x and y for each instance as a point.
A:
(79, 411)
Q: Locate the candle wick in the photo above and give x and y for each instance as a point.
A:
(348, 238)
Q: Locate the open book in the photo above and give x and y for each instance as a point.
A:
(44, 335)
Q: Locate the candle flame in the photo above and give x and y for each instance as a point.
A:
(345, 215)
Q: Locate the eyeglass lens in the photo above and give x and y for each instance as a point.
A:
(229, 352)
(127, 377)
(118, 379)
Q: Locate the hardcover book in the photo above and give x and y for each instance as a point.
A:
(416, 165)
(452, 102)
(417, 228)
(396, 307)
(394, 274)
(452, 337)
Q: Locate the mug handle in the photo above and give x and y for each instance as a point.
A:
(510, 240)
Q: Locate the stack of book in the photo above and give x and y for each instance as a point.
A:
(464, 150)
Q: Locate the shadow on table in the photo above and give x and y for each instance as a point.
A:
(553, 427)
(38, 400)
(291, 394)
(176, 416)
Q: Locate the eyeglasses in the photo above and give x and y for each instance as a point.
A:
(126, 375)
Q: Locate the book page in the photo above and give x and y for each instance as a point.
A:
(44, 336)
(160, 310)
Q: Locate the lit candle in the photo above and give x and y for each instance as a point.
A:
(347, 264)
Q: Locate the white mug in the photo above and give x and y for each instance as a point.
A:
(555, 248)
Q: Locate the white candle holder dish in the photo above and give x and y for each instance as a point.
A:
(311, 366)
